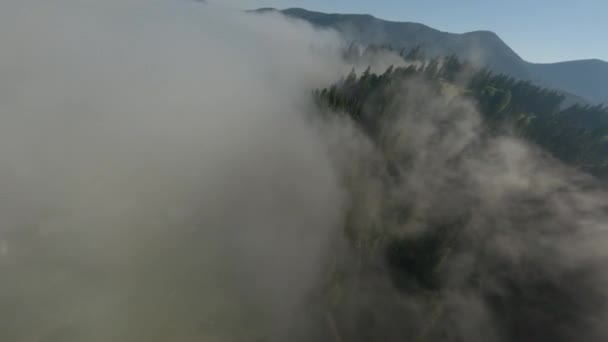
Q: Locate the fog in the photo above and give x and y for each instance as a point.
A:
(166, 176)
(161, 179)
(470, 235)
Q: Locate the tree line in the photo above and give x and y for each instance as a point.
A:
(575, 134)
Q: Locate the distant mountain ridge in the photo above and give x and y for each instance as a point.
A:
(585, 78)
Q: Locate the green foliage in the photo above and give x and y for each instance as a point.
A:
(415, 54)
(575, 135)
(417, 259)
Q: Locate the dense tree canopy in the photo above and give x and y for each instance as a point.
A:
(577, 135)
(418, 213)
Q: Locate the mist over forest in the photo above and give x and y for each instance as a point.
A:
(179, 171)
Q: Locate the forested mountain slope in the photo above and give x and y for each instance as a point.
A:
(588, 79)
(471, 201)
(576, 134)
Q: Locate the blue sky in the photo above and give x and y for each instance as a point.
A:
(538, 30)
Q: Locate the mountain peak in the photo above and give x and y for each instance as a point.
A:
(483, 48)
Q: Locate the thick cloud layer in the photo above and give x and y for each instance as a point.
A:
(165, 177)
(471, 235)
(160, 178)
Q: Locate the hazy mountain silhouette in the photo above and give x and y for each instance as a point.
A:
(585, 78)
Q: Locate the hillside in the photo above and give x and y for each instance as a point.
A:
(471, 192)
(186, 172)
(585, 78)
